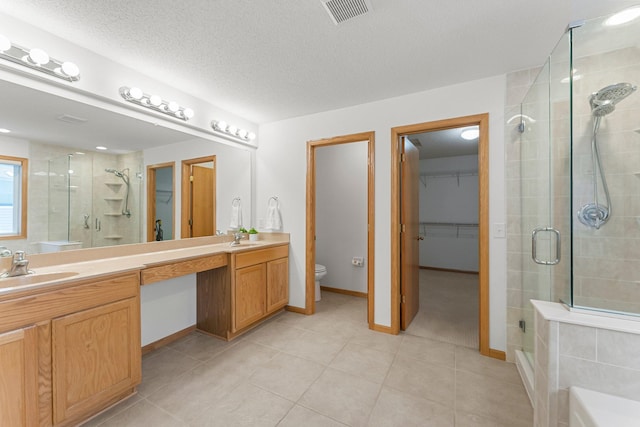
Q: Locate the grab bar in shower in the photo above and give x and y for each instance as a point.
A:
(534, 246)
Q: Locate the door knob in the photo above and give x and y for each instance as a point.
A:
(419, 238)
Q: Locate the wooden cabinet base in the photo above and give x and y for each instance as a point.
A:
(116, 400)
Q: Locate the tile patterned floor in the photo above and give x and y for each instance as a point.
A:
(323, 370)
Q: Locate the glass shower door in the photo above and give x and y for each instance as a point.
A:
(545, 189)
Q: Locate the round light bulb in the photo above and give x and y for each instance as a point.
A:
(136, 93)
(232, 130)
(251, 136)
(155, 100)
(242, 133)
(222, 125)
(188, 113)
(70, 69)
(5, 43)
(173, 106)
(100, 147)
(38, 56)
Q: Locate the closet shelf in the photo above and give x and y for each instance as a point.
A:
(426, 175)
(456, 225)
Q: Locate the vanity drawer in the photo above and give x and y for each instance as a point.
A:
(258, 256)
(182, 268)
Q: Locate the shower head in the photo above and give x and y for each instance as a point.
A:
(604, 101)
(115, 172)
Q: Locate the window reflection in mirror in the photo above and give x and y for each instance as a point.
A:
(160, 202)
(13, 200)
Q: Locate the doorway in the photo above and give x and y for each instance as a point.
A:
(312, 146)
(405, 224)
(160, 201)
(198, 205)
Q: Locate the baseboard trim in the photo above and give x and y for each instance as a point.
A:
(294, 309)
(167, 340)
(497, 354)
(381, 328)
(344, 291)
(449, 270)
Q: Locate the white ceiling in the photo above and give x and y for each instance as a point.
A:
(268, 60)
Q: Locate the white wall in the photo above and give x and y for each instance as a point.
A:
(281, 169)
(446, 197)
(341, 214)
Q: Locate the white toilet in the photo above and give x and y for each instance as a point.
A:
(321, 271)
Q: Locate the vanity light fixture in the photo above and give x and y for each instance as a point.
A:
(470, 133)
(231, 130)
(38, 59)
(154, 102)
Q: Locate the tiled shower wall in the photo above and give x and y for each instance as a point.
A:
(606, 273)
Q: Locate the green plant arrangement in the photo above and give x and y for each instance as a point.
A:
(242, 230)
(253, 234)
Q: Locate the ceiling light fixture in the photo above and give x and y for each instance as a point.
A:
(101, 148)
(38, 59)
(154, 102)
(3, 130)
(470, 133)
(623, 17)
(231, 130)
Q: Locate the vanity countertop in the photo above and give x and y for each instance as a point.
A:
(66, 269)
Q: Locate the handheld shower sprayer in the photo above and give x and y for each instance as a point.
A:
(602, 102)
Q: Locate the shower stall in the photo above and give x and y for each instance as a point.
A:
(577, 180)
(92, 200)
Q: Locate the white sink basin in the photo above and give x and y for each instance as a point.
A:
(30, 279)
(588, 408)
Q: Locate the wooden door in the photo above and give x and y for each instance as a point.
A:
(250, 294)
(19, 378)
(202, 216)
(277, 284)
(409, 218)
(96, 358)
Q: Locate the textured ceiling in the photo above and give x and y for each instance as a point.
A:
(268, 60)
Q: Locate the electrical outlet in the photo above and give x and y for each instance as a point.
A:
(358, 261)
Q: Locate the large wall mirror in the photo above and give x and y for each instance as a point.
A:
(82, 197)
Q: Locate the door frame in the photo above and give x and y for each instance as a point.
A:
(481, 120)
(369, 137)
(151, 198)
(185, 202)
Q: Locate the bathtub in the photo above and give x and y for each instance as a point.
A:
(588, 408)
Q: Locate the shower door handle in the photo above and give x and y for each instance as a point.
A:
(534, 246)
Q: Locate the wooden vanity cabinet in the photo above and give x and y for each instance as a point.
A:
(96, 358)
(19, 377)
(260, 284)
(253, 286)
(70, 352)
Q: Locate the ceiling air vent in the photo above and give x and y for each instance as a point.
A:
(343, 10)
(68, 118)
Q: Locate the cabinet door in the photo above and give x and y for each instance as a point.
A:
(250, 294)
(19, 378)
(277, 284)
(96, 358)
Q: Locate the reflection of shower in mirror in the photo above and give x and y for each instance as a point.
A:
(124, 175)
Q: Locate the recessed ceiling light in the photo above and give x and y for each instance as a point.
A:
(623, 17)
(100, 147)
(470, 133)
(3, 130)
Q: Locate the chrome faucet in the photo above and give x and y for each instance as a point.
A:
(19, 266)
(236, 239)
